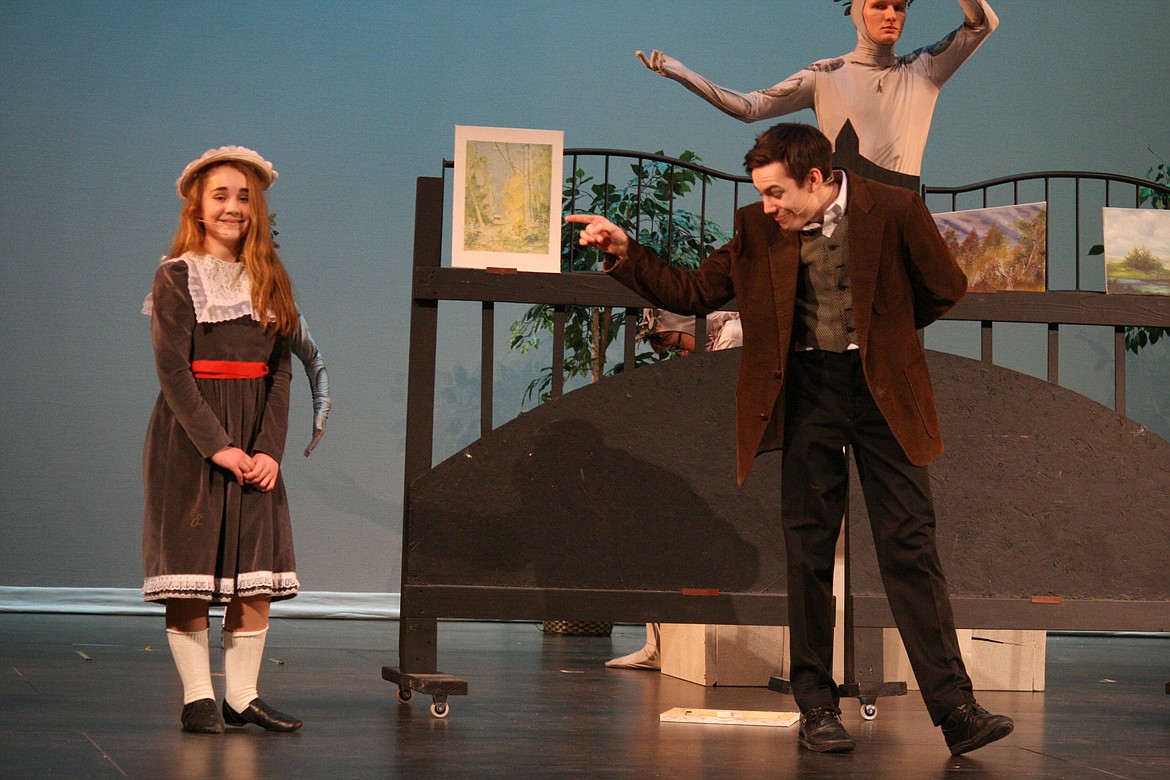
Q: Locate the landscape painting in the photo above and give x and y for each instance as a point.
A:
(999, 248)
(506, 207)
(1137, 251)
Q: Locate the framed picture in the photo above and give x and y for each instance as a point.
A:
(999, 248)
(1137, 251)
(506, 207)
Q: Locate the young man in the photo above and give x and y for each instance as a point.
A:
(833, 275)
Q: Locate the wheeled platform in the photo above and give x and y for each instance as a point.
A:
(866, 693)
(438, 686)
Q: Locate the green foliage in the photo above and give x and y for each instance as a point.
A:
(1136, 338)
(644, 208)
(1143, 261)
(1159, 199)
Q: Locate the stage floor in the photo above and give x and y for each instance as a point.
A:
(88, 696)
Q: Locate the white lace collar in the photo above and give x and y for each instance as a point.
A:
(220, 291)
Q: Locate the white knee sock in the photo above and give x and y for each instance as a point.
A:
(193, 662)
(243, 652)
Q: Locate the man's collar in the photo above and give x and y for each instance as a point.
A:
(834, 211)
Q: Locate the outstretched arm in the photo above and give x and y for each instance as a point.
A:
(946, 56)
(685, 291)
(787, 97)
(978, 13)
(599, 233)
(302, 345)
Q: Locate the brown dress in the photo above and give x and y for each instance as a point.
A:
(204, 536)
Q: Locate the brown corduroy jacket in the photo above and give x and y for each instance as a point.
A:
(902, 278)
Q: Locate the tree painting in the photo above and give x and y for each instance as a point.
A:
(1002, 248)
(1137, 251)
(506, 197)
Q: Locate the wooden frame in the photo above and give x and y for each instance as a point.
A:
(426, 598)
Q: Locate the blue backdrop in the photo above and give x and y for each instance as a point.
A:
(102, 104)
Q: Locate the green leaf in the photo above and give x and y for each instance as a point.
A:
(644, 207)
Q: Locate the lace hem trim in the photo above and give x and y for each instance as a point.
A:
(206, 587)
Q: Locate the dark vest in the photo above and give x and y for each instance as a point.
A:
(824, 303)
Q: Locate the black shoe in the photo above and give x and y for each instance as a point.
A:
(262, 715)
(201, 717)
(821, 731)
(970, 727)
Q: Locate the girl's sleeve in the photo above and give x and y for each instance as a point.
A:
(274, 426)
(171, 327)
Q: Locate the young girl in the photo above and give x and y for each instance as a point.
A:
(216, 526)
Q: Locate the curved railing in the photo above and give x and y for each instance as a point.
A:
(1055, 308)
(1068, 211)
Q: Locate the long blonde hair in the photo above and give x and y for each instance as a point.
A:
(271, 286)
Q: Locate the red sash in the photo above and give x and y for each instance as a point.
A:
(228, 369)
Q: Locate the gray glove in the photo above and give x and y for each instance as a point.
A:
(303, 346)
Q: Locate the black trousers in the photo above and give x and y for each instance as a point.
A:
(829, 407)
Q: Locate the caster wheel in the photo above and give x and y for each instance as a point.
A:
(403, 695)
(440, 709)
(868, 711)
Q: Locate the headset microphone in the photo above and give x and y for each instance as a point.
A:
(799, 213)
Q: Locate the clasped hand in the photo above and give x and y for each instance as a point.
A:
(259, 470)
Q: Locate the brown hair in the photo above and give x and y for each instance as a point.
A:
(800, 147)
(271, 285)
